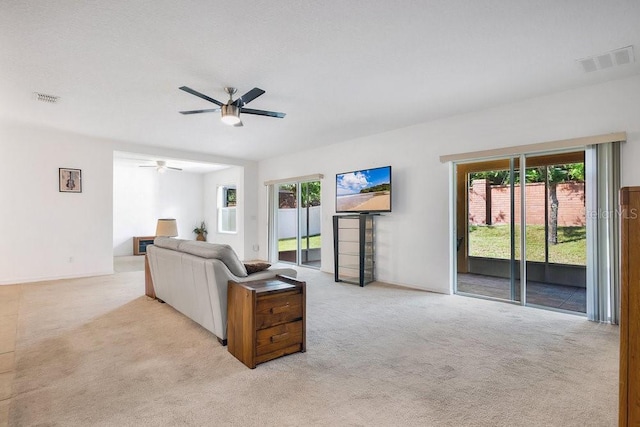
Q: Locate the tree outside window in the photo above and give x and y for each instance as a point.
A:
(227, 209)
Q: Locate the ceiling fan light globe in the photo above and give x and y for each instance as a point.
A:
(230, 115)
(231, 120)
(161, 169)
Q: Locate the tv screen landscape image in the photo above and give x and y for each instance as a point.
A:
(367, 190)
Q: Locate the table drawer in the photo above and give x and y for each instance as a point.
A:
(273, 311)
(278, 337)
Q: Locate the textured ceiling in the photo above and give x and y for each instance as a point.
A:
(339, 69)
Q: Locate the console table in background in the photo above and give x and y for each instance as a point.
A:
(140, 244)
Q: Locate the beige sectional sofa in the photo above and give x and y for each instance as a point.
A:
(192, 277)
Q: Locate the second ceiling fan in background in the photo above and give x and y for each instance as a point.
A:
(161, 166)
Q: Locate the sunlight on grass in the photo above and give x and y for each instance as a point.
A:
(493, 242)
(290, 244)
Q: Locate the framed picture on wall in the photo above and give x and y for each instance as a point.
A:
(70, 180)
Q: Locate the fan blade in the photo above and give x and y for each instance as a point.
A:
(248, 97)
(262, 113)
(154, 166)
(200, 95)
(210, 110)
(175, 169)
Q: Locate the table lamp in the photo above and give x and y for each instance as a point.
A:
(167, 227)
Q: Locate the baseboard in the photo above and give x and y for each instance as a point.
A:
(52, 278)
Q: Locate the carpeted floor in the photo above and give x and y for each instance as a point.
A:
(96, 351)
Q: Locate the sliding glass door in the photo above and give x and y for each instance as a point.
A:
(505, 216)
(298, 219)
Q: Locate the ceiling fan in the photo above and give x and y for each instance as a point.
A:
(232, 109)
(161, 166)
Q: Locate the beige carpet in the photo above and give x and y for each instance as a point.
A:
(96, 351)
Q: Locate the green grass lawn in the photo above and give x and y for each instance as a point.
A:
(290, 244)
(493, 242)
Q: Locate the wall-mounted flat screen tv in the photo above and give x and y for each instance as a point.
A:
(367, 190)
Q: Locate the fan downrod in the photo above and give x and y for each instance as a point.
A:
(231, 91)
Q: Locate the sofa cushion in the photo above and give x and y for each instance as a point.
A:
(168, 242)
(224, 253)
(254, 267)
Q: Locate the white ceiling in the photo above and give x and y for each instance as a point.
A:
(339, 69)
(126, 159)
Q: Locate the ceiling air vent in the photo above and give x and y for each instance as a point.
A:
(52, 99)
(607, 60)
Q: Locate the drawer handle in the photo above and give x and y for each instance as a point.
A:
(281, 309)
(280, 337)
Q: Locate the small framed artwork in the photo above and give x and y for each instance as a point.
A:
(70, 180)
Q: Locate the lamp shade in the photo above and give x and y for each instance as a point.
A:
(167, 227)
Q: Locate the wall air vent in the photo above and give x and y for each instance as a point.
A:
(606, 60)
(52, 99)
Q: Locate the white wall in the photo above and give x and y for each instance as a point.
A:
(249, 213)
(243, 240)
(142, 195)
(47, 234)
(413, 241)
(50, 235)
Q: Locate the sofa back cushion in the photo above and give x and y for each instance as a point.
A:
(167, 243)
(224, 253)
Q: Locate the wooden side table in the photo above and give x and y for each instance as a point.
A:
(266, 319)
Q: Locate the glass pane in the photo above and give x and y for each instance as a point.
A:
(514, 182)
(227, 220)
(348, 232)
(230, 197)
(226, 209)
(556, 236)
(310, 219)
(287, 232)
(484, 253)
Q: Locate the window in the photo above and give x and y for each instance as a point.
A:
(227, 209)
